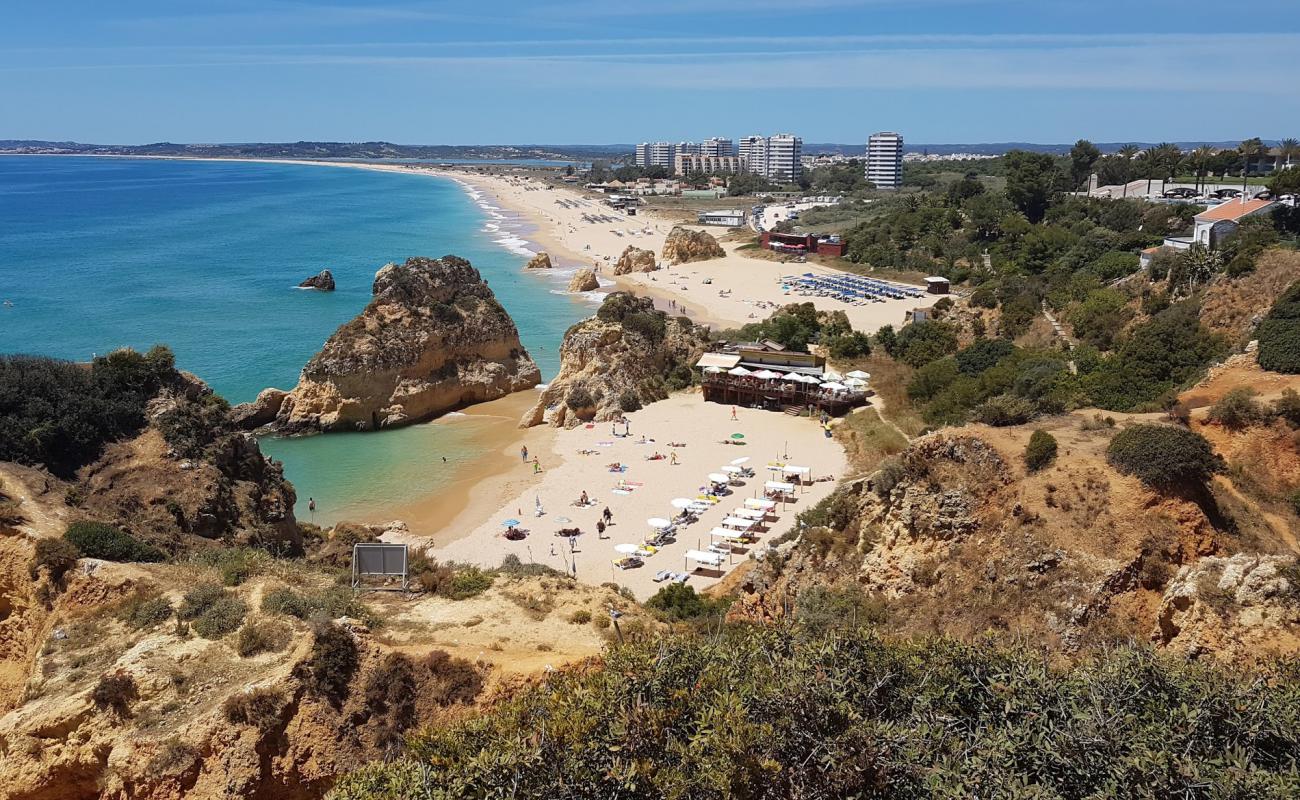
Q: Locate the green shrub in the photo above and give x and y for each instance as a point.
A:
(259, 708)
(1279, 334)
(677, 601)
(982, 355)
(331, 603)
(115, 691)
(846, 606)
(101, 540)
(651, 325)
(1040, 451)
(580, 617)
(1238, 409)
(923, 342)
(222, 617)
(236, 564)
(261, 636)
(190, 426)
(468, 582)
(850, 345)
(332, 663)
(199, 599)
(579, 397)
(1164, 456)
(57, 556)
(629, 401)
(1003, 410)
(147, 612)
(390, 692)
(454, 680)
(1288, 407)
(933, 378)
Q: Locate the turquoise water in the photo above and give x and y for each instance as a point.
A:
(97, 254)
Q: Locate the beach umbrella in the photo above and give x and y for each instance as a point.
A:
(510, 523)
(627, 549)
(738, 436)
(739, 371)
(792, 376)
(563, 519)
(718, 477)
(658, 522)
(732, 470)
(809, 379)
(859, 374)
(854, 382)
(766, 374)
(832, 375)
(682, 502)
(738, 461)
(833, 386)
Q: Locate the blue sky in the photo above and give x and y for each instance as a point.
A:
(599, 71)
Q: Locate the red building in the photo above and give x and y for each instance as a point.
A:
(802, 244)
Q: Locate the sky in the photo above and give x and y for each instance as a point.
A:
(623, 71)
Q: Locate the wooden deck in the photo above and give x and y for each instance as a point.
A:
(778, 395)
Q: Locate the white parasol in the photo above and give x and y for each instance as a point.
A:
(718, 477)
(627, 549)
(713, 370)
(739, 371)
(834, 387)
(766, 374)
(738, 461)
(831, 375)
(856, 383)
(859, 374)
(682, 502)
(792, 376)
(731, 470)
(658, 522)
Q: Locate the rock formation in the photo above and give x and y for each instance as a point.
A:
(433, 339)
(634, 259)
(324, 281)
(539, 261)
(626, 356)
(683, 245)
(584, 280)
(260, 412)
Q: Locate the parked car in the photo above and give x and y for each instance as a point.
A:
(1180, 193)
(1226, 194)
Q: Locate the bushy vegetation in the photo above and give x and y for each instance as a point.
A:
(145, 611)
(115, 691)
(678, 602)
(332, 663)
(190, 426)
(453, 680)
(1237, 409)
(55, 556)
(1166, 457)
(62, 414)
(212, 611)
(258, 708)
(390, 695)
(769, 713)
(1040, 451)
(798, 325)
(329, 603)
(261, 636)
(1279, 334)
(453, 581)
(101, 540)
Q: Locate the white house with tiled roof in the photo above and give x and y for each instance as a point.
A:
(1222, 220)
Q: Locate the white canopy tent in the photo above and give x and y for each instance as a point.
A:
(704, 557)
(760, 504)
(779, 486)
(713, 370)
(749, 513)
(739, 523)
(791, 469)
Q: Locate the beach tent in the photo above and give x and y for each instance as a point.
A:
(760, 504)
(790, 469)
(749, 513)
(704, 557)
(739, 372)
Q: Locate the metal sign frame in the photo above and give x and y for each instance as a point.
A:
(383, 560)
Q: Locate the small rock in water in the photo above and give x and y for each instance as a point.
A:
(323, 281)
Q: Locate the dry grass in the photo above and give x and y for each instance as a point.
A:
(867, 440)
(889, 379)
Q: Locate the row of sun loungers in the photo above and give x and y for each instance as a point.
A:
(850, 288)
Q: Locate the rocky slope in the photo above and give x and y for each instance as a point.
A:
(584, 280)
(955, 537)
(684, 245)
(626, 356)
(635, 259)
(433, 339)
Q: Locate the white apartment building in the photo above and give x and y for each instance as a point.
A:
(885, 160)
(778, 158)
(656, 154)
(686, 163)
(718, 147)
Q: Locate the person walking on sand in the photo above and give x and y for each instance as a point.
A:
(523, 453)
(537, 467)
(600, 529)
(733, 413)
(608, 515)
(552, 548)
(672, 457)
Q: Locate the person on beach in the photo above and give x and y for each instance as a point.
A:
(733, 412)
(523, 453)
(583, 499)
(537, 467)
(600, 529)
(608, 515)
(672, 457)
(552, 548)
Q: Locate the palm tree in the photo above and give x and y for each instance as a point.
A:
(1149, 165)
(1200, 161)
(1288, 149)
(1250, 150)
(1128, 152)
(1166, 159)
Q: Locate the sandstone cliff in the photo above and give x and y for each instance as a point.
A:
(433, 339)
(539, 261)
(626, 356)
(684, 245)
(584, 280)
(634, 259)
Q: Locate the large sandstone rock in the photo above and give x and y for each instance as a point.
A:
(433, 339)
(626, 356)
(634, 259)
(539, 261)
(584, 280)
(324, 281)
(1230, 604)
(261, 411)
(683, 245)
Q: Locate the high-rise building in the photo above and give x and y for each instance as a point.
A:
(718, 147)
(885, 160)
(777, 158)
(688, 148)
(656, 154)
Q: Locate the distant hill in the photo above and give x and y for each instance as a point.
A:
(335, 150)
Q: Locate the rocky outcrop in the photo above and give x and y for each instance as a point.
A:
(634, 259)
(539, 261)
(260, 412)
(683, 245)
(626, 356)
(1242, 604)
(433, 339)
(324, 281)
(584, 280)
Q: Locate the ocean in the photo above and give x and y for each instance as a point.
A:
(101, 253)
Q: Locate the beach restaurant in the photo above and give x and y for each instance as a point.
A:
(766, 375)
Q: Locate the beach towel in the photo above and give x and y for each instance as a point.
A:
(622, 491)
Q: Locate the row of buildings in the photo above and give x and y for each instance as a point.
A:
(778, 158)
